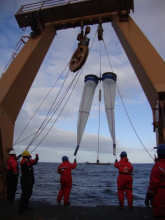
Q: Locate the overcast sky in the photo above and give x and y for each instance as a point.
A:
(62, 139)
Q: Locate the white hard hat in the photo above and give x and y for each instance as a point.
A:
(12, 152)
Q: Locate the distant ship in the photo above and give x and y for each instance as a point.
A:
(97, 163)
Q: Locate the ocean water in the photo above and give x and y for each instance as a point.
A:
(92, 184)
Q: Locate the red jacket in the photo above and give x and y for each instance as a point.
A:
(124, 166)
(65, 170)
(12, 164)
(157, 177)
(27, 166)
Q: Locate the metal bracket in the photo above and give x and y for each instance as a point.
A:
(36, 23)
(100, 30)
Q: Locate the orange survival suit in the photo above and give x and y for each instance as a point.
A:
(156, 190)
(12, 177)
(124, 181)
(66, 180)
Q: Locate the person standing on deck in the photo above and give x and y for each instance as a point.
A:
(27, 180)
(66, 179)
(124, 180)
(12, 176)
(156, 190)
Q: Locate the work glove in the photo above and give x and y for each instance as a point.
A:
(37, 158)
(148, 200)
(75, 160)
(116, 161)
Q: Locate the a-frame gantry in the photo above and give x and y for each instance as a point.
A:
(45, 18)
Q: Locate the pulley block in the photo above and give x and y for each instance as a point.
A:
(78, 58)
(81, 53)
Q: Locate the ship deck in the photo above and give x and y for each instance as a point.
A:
(52, 211)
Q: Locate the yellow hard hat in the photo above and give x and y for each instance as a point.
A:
(25, 153)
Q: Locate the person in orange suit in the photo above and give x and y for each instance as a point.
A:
(66, 179)
(124, 180)
(12, 176)
(156, 191)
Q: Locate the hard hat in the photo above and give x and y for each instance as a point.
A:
(12, 152)
(64, 158)
(161, 149)
(123, 154)
(25, 153)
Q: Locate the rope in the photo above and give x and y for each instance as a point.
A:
(132, 123)
(60, 111)
(107, 55)
(36, 133)
(125, 108)
(58, 103)
(25, 138)
(46, 117)
(16, 142)
(99, 122)
(99, 107)
(100, 59)
(68, 97)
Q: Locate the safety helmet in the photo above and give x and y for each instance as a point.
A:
(123, 154)
(12, 152)
(25, 153)
(64, 158)
(161, 149)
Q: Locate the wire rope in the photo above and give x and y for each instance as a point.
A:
(126, 109)
(25, 138)
(58, 103)
(99, 122)
(59, 113)
(49, 112)
(107, 55)
(99, 108)
(132, 124)
(67, 99)
(16, 142)
(37, 133)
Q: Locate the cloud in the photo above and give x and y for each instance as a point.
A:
(62, 138)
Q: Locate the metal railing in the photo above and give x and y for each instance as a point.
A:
(46, 4)
(16, 51)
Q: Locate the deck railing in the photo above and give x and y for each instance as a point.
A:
(46, 4)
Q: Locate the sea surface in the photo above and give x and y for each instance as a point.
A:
(92, 184)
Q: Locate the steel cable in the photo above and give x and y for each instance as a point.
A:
(67, 99)
(49, 113)
(126, 109)
(60, 101)
(16, 142)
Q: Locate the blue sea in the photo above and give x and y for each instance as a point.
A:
(92, 184)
